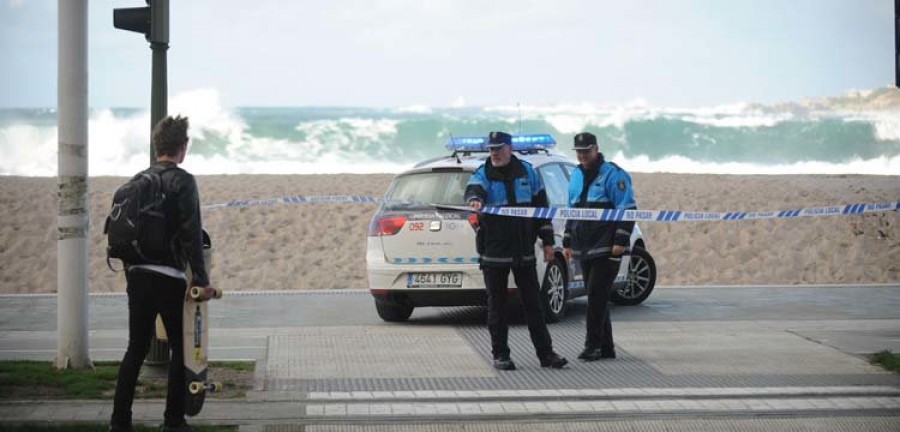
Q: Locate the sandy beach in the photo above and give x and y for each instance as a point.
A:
(322, 246)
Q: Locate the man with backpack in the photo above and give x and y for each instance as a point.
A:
(155, 229)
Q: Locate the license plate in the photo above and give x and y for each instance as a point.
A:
(434, 280)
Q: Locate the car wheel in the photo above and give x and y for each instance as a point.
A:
(554, 291)
(393, 312)
(641, 279)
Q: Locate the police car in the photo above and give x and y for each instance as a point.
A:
(421, 253)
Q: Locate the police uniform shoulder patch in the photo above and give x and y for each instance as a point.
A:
(621, 185)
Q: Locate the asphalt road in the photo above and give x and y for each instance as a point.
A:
(28, 323)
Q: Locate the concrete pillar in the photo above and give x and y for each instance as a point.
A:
(73, 216)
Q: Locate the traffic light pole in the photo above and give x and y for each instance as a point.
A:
(158, 89)
(158, 355)
(897, 43)
(159, 44)
(153, 22)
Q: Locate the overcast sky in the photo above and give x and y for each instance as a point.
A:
(684, 53)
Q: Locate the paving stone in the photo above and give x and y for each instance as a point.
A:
(358, 409)
(558, 407)
(335, 410)
(514, 408)
(405, 409)
(492, 408)
(422, 409)
(447, 409)
(315, 410)
(380, 409)
(602, 406)
(469, 408)
(579, 406)
(624, 405)
(536, 407)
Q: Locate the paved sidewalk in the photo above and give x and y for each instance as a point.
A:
(765, 358)
(883, 401)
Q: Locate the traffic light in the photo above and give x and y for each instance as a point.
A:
(152, 20)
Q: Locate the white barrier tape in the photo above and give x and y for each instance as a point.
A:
(591, 214)
(680, 216)
(299, 199)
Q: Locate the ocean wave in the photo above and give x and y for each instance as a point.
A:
(735, 138)
(881, 165)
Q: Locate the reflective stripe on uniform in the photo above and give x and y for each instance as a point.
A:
(497, 260)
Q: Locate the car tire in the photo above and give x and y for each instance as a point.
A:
(393, 312)
(554, 291)
(641, 279)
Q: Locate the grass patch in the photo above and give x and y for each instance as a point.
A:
(887, 360)
(242, 366)
(41, 380)
(96, 427)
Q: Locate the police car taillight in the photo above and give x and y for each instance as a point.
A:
(386, 225)
(473, 220)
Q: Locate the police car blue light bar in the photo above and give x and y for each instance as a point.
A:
(527, 142)
(467, 144)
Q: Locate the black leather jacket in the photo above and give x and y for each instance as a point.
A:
(182, 208)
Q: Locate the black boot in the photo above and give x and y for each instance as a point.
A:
(504, 363)
(594, 354)
(553, 360)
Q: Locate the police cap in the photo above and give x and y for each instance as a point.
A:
(499, 139)
(584, 141)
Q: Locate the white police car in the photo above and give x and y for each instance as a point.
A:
(422, 255)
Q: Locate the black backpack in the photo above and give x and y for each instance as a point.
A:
(136, 226)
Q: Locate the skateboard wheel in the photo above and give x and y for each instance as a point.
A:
(195, 387)
(199, 294)
(215, 387)
(196, 293)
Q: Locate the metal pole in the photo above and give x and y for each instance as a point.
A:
(159, 44)
(73, 217)
(897, 43)
(158, 89)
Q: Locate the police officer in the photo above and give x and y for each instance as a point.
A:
(507, 243)
(598, 245)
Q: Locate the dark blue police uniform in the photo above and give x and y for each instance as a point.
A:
(602, 186)
(506, 244)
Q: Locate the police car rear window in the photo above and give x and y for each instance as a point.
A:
(442, 187)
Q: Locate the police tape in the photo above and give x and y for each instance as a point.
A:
(683, 216)
(300, 199)
(587, 214)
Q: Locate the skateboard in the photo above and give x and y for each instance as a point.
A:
(195, 327)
